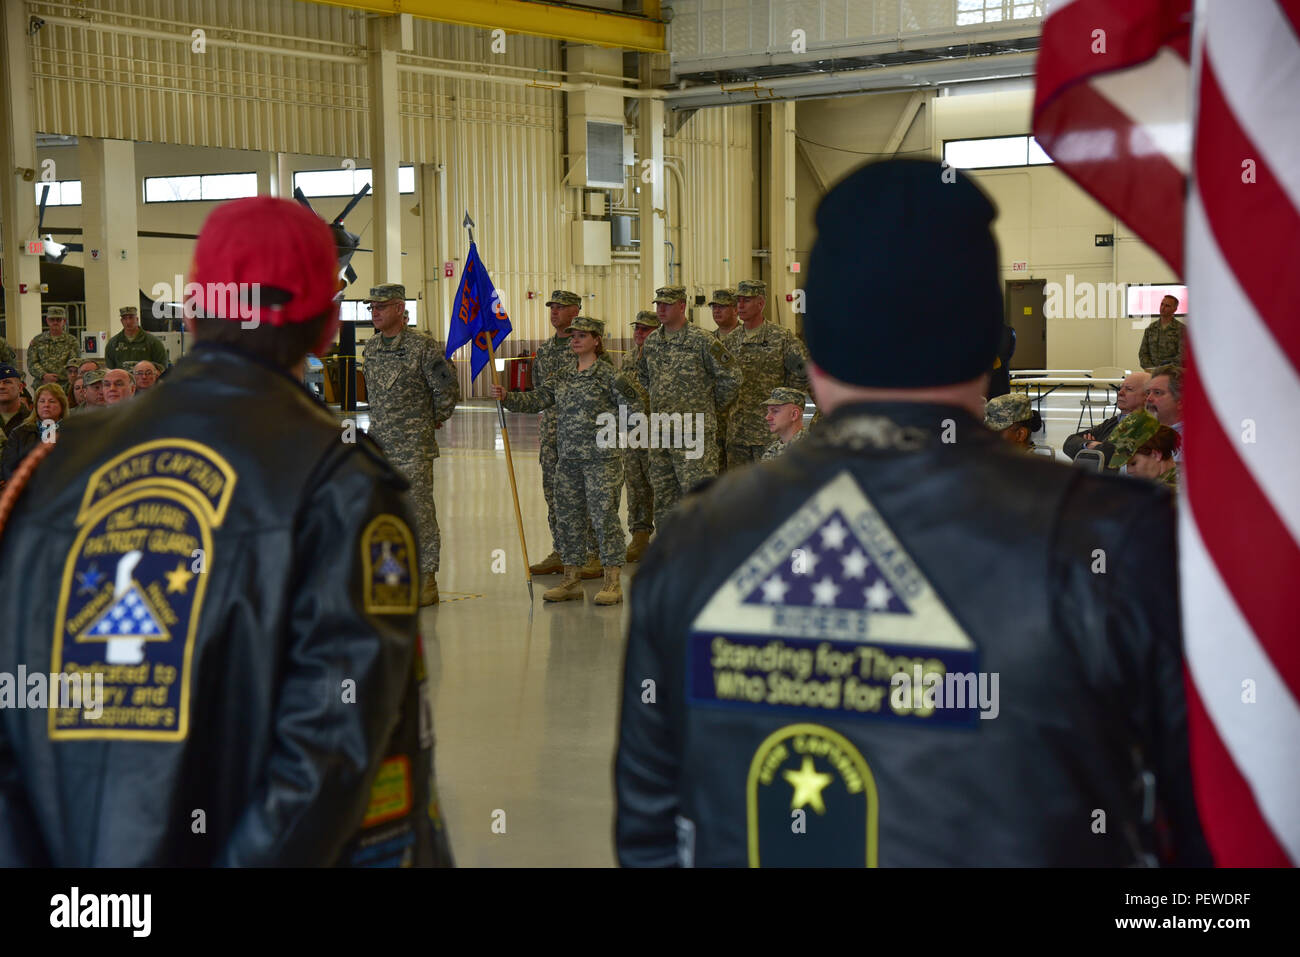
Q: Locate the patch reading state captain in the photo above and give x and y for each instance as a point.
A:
(822, 616)
(133, 586)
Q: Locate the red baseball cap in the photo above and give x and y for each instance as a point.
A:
(267, 259)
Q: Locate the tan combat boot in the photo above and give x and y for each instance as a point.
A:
(570, 589)
(429, 590)
(592, 569)
(640, 539)
(550, 565)
(612, 593)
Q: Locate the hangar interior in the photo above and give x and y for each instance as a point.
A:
(608, 147)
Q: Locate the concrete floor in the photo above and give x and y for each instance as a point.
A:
(526, 697)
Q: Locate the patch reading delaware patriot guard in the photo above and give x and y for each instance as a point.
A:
(822, 616)
(133, 587)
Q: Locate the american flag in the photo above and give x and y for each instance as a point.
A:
(128, 617)
(830, 568)
(1186, 128)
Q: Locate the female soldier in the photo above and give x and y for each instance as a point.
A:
(590, 469)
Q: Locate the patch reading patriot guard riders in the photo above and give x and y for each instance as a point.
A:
(810, 796)
(133, 586)
(821, 617)
(388, 559)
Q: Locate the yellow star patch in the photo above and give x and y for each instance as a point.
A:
(179, 579)
(808, 784)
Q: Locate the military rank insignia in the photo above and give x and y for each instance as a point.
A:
(133, 586)
(389, 571)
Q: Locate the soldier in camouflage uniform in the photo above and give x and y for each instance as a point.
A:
(134, 344)
(723, 304)
(413, 390)
(1162, 341)
(685, 370)
(50, 352)
(636, 462)
(785, 419)
(552, 355)
(586, 396)
(770, 357)
(7, 355)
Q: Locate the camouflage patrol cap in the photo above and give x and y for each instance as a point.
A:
(751, 287)
(646, 318)
(387, 292)
(723, 297)
(1004, 411)
(1133, 431)
(587, 324)
(783, 395)
(129, 311)
(670, 294)
(562, 297)
(73, 364)
(93, 376)
(56, 312)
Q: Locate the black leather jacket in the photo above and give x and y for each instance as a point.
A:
(243, 579)
(759, 721)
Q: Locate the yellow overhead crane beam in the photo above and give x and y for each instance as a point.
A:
(558, 21)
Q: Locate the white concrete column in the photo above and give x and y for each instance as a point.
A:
(651, 206)
(17, 189)
(109, 198)
(781, 211)
(388, 35)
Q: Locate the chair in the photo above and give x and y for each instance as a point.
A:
(1088, 402)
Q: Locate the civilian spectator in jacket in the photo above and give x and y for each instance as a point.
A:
(42, 425)
(770, 714)
(118, 386)
(1164, 400)
(145, 374)
(1132, 394)
(12, 412)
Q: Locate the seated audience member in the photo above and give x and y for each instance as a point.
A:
(88, 364)
(118, 386)
(78, 397)
(1154, 458)
(1164, 400)
(1129, 436)
(11, 406)
(784, 420)
(25, 397)
(42, 425)
(1132, 394)
(92, 383)
(145, 374)
(1012, 417)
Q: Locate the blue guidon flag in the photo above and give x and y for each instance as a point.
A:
(476, 313)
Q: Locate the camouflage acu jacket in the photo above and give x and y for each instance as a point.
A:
(48, 354)
(689, 371)
(580, 397)
(769, 357)
(412, 389)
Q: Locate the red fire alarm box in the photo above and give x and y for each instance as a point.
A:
(448, 269)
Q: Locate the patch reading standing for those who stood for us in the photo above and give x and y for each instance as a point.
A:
(130, 598)
(816, 623)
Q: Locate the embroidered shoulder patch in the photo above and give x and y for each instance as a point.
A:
(132, 589)
(389, 575)
(822, 616)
